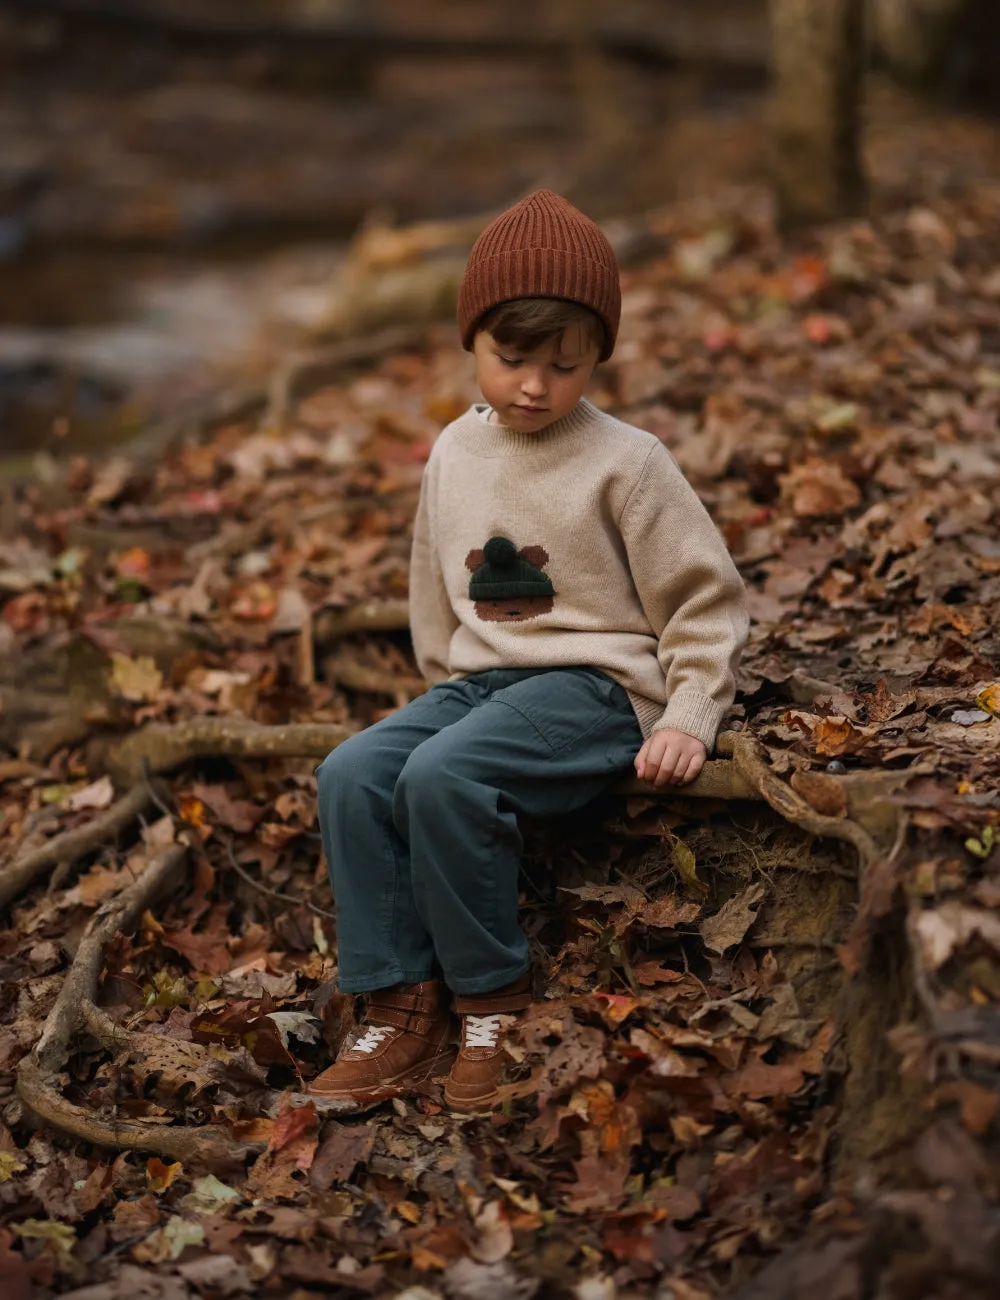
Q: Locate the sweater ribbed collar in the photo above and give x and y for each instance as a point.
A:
(476, 434)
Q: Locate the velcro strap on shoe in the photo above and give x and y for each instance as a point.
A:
(414, 1022)
(419, 999)
(501, 1001)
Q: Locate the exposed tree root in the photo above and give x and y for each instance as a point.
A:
(75, 1009)
(69, 847)
(369, 616)
(344, 669)
(203, 1145)
(163, 747)
(748, 756)
(118, 915)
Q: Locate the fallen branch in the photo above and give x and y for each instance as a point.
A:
(70, 846)
(718, 779)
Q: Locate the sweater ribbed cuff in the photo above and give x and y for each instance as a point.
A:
(696, 714)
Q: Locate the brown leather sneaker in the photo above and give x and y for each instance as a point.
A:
(407, 1036)
(475, 1078)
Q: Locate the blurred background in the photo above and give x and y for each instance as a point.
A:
(189, 191)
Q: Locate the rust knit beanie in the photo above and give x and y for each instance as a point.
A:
(542, 247)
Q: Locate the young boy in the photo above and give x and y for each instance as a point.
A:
(576, 612)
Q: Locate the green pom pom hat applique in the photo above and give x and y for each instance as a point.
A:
(507, 584)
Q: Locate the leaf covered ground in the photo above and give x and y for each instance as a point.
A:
(747, 1072)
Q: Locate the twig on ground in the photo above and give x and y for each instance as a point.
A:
(263, 889)
(70, 846)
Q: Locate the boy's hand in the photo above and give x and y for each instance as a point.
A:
(670, 757)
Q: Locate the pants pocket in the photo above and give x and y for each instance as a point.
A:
(567, 706)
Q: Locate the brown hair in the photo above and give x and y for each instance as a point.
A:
(527, 323)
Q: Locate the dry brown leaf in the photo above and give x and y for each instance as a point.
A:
(668, 912)
(135, 679)
(821, 791)
(818, 487)
(836, 736)
(727, 927)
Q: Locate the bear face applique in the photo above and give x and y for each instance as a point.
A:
(507, 584)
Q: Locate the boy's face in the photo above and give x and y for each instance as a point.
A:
(530, 390)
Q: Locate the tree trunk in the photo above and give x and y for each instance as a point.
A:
(818, 54)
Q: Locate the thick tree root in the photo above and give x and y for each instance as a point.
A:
(194, 1146)
(748, 757)
(37, 1072)
(370, 616)
(117, 916)
(344, 669)
(69, 847)
(75, 1009)
(160, 747)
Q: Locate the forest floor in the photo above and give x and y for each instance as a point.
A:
(763, 1060)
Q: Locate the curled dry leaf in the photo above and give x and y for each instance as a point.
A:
(836, 736)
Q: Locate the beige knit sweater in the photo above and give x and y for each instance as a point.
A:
(618, 565)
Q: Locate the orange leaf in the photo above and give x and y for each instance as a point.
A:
(292, 1123)
(158, 1175)
(133, 563)
(835, 736)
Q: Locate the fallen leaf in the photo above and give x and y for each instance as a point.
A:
(727, 927)
(821, 791)
(169, 1242)
(135, 679)
(301, 1024)
(160, 1176)
(494, 1236)
(290, 1151)
(819, 488)
(970, 717)
(951, 925)
(684, 861)
(835, 736)
(343, 1148)
(59, 1237)
(99, 794)
(10, 1164)
(668, 912)
(208, 1196)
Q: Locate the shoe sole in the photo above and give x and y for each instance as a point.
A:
(366, 1098)
(469, 1106)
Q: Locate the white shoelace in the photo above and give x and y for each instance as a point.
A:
(482, 1031)
(374, 1035)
